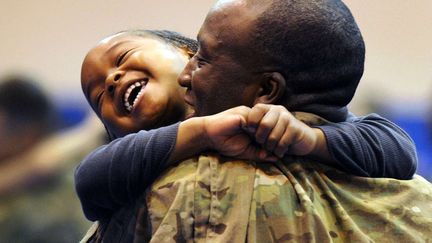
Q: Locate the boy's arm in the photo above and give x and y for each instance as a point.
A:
(223, 132)
(116, 173)
(119, 172)
(368, 146)
(371, 146)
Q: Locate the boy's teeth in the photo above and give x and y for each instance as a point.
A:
(127, 105)
(137, 97)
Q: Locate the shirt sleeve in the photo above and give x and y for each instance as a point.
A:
(117, 173)
(371, 146)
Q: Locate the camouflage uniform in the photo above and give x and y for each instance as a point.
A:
(213, 199)
(233, 201)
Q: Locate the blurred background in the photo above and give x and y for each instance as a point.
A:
(44, 42)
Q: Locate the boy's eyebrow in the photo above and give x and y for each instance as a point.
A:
(116, 45)
(86, 91)
(113, 47)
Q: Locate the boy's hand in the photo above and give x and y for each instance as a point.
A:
(257, 133)
(226, 134)
(278, 131)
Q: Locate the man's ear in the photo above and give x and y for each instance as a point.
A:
(272, 88)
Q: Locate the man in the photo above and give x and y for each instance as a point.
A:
(307, 56)
(279, 52)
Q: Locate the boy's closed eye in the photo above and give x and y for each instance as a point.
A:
(99, 100)
(120, 60)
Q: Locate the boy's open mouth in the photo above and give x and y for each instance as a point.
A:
(133, 93)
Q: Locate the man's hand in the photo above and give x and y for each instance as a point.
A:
(279, 132)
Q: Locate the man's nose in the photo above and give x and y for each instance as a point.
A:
(112, 80)
(185, 76)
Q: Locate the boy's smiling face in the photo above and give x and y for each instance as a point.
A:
(130, 82)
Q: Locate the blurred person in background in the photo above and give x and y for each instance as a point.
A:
(37, 200)
(27, 115)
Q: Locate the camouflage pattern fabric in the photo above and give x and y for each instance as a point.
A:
(233, 201)
(212, 199)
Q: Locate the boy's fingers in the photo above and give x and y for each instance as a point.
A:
(255, 115)
(284, 143)
(265, 127)
(276, 134)
(240, 110)
(267, 157)
(297, 139)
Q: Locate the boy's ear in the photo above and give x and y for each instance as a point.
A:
(272, 88)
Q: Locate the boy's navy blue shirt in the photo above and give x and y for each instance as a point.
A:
(117, 173)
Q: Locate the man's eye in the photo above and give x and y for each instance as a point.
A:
(200, 62)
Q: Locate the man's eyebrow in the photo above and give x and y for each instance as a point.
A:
(203, 48)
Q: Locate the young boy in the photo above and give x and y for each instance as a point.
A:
(129, 80)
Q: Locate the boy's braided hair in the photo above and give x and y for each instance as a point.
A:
(170, 37)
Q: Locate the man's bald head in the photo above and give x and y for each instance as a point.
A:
(315, 44)
(307, 55)
(319, 48)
